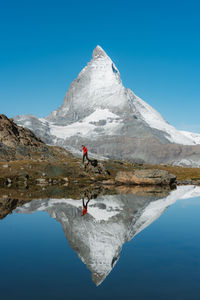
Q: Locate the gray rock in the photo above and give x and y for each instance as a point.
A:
(146, 177)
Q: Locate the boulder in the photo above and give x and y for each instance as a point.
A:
(146, 177)
(96, 169)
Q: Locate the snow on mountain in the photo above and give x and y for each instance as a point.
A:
(99, 110)
(193, 136)
(112, 220)
(98, 85)
(109, 123)
(155, 120)
(97, 88)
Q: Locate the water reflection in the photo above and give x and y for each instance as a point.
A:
(111, 220)
(85, 204)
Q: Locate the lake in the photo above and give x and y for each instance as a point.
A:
(127, 245)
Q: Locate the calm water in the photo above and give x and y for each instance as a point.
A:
(49, 251)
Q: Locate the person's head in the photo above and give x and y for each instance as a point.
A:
(82, 146)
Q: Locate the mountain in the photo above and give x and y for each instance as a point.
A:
(112, 121)
(111, 221)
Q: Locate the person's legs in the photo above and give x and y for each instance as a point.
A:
(87, 156)
(83, 157)
(87, 202)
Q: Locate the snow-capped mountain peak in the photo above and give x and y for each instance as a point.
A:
(99, 52)
(98, 85)
(121, 118)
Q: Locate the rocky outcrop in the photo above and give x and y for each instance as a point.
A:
(96, 168)
(146, 177)
(18, 143)
(13, 135)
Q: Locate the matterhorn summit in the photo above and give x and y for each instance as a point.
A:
(98, 86)
(112, 121)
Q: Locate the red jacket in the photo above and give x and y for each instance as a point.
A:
(84, 211)
(85, 150)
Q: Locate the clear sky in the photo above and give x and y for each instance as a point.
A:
(155, 44)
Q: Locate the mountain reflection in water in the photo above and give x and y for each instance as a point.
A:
(111, 220)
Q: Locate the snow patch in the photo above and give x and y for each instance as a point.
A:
(187, 163)
(88, 126)
(99, 115)
(194, 136)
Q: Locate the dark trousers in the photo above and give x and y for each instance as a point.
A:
(85, 155)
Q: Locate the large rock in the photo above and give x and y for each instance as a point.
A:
(146, 177)
(94, 167)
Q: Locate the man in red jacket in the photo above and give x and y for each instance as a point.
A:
(85, 153)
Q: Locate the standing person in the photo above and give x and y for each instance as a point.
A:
(85, 153)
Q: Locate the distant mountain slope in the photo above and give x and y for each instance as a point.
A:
(100, 112)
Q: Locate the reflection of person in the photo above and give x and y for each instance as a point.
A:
(84, 212)
(85, 153)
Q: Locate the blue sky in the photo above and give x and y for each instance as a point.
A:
(155, 45)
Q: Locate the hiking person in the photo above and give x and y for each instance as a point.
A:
(85, 153)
